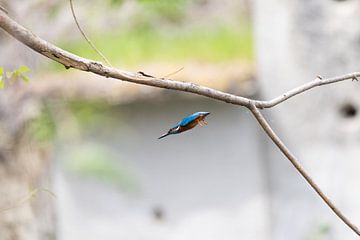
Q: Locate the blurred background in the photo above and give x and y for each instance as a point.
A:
(79, 154)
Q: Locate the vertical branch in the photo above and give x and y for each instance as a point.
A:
(266, 127)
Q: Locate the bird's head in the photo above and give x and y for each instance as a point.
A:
(203, 114)
(172, 130)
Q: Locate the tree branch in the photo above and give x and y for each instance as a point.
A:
(266, 127)
(3, 9)
(319, 81)
(70, 60)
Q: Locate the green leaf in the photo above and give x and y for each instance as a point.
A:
(24, 78)
(22, 69)
(2, 83)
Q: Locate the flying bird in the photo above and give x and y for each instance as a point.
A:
(188, 123)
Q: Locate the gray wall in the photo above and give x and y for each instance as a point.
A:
(296, 41)
(210, 183)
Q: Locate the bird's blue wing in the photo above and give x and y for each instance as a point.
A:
(188, 119)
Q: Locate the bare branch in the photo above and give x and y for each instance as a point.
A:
(70, 60)
(86, 37)
(265, 125)
(3, 9)
(319, 81)
(172, 73)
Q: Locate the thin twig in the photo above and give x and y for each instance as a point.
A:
(27, 198)
(319, 81)
(172, 73)
(86, 38)
(274, 137)
(3, 9)
(70, 60)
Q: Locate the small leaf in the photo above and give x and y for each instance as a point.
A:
(2, 83)
(15, 74)
(24, 78)
(22, 69)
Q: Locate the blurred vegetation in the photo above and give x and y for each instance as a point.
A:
(173, 10)
(159, 31)
(54, 9)
(89, 114)
(136, 46)
(96, 161)
(18, 74)
(43, 127)
(321, 232)
(2, 83)
(15, 75)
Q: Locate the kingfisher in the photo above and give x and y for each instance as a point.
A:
(188, 123)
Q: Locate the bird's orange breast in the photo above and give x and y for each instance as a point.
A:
(189, 126)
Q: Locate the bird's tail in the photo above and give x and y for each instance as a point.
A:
(162, 136)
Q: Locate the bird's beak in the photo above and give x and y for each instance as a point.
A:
(205, 114)
(162, 136)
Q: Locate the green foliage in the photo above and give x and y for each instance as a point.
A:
(22, 69)
(18, 73)
(173, 10)
(95, 161)
(54, 9)
(13, 75)
(2, 84)
(88, 114)
(116, 2)
(43, 128)
(321, 232)
(133, 47)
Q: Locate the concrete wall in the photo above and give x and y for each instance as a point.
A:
(296, 41)
(208, 183)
